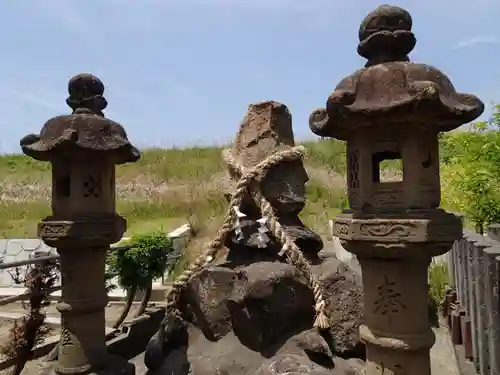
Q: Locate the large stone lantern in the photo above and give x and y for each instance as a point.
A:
(84, 148)
(394, 109)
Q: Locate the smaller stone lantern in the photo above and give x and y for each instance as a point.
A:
(394, 109)
(84, 148)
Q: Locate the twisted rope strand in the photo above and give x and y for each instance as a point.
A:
(227, 225)
(296, 258)
(292, 250)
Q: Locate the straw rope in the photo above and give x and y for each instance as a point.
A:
(291, 250)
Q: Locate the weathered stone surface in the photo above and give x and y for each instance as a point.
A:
(267, 302)
(391, 89)
(271, 303)
(306, 353)
(265, 130)
(393, 109)
(252, 313)
(227, 356)
(261, 302)
(83, 149)
(207, 295)
(259, 318)
(289, 364)
(344, 296)
(85, 132)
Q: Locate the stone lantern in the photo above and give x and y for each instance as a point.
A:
(84, 148)
(394, 109)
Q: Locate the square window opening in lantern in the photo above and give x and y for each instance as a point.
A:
(63, 187)
(387, 166)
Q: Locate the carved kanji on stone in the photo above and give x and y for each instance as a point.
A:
(388, 300)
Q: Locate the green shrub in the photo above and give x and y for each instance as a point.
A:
(438, 280)
(141, 260)
(470, 173)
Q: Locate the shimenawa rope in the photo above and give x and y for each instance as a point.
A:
(291, 250)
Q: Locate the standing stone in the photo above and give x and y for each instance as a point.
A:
(393, 109)
(265, 130)
(84, 148)
(252, 313)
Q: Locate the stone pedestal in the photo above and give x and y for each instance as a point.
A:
(82, 245)
(394, 255)
(397, 332)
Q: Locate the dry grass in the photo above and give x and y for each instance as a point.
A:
(166, 188)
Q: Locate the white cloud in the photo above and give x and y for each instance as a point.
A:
(48, 100)
(472, 41)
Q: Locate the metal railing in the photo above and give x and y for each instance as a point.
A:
(30, 262)
(179, 238)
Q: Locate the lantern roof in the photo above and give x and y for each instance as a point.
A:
(85, 133)
(390, 89)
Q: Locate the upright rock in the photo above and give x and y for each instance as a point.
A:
(265, 130)
(252, 313)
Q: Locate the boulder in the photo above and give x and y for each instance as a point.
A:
(290, 364)
(251, 313)
(257, 320)
(305, 353)
(344, 296)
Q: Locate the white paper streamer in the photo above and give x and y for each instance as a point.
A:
(237, 223)
(283, 250)
(263, 238)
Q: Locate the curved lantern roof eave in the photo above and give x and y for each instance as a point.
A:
(391, 90)
(83, 134)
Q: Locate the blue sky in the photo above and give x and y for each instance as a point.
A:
(182, 72)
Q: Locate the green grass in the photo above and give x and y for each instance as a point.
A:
(166, 188)
(438, 279)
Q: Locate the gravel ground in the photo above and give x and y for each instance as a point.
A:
(443, 360)
(112, 313)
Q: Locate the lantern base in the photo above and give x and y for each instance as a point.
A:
(116, 366)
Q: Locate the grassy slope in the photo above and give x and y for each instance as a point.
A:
(166, 188)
